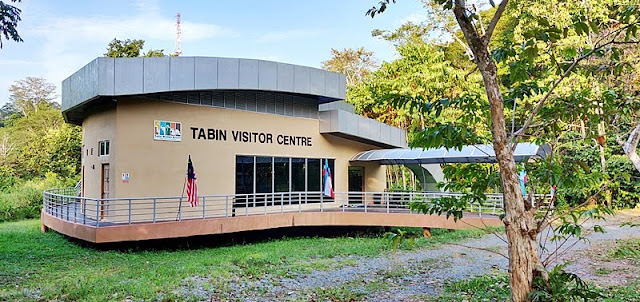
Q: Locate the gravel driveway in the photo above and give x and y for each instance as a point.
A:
(409, 275)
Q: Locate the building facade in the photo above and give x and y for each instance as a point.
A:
(251, 127)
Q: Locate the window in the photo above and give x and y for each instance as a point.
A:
(281, 177)
(298, 173)
(261, 174)
(313, 174)
(244, 175)
(103, 147)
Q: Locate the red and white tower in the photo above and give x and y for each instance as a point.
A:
(178, 47)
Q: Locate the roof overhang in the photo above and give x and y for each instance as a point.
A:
(468, 154)
(105, 79)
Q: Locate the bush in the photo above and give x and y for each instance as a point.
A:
(8, 178)
(24, 199)
(624, 184)
(562, 287)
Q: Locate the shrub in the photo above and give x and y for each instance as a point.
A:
(24, 199)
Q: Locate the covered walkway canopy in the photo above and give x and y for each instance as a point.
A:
(468, 154)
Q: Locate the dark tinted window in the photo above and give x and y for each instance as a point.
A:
(298, 173)
(313, 175)
(244, 174)
(263, 174)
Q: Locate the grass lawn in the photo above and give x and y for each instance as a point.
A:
(49, 266)
(496, 288)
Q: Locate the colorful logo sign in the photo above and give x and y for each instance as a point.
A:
(167, 131)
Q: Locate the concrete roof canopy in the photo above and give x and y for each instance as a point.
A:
(468, 154)
(103, 79)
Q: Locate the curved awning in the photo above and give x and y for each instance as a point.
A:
(468, 154)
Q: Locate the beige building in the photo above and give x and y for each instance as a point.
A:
(250, 127)
(259, 135)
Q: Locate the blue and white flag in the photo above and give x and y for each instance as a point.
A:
(326, 174)
(523, 180)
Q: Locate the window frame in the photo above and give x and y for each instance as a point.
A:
(104, 148)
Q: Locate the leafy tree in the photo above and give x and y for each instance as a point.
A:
(356, 64)
(154, 53)
(130, 49)
(537, 73)
(9, 18)
(42, 142)
(7, 111)
(30, 95)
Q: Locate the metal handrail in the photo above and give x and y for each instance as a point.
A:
(64, 204)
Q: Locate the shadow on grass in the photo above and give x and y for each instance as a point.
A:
(239, 238)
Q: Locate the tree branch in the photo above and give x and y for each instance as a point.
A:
(540, 103)
(494, 21)
(632, 142)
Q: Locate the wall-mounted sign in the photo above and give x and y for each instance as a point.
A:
(167, 131)
(125, 177)
(250, 137)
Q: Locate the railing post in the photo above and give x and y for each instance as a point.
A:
(321, 199)
(226, 206)
(129, 210)
(410, 199)
(44, 203)
(180, 210)
(300, 199)
(154, 209)
(342, 202)
(365, 202)
(204, 206)
(84, 206)
(75, 210)
(386, 200)
(98, 212)
(282, 202)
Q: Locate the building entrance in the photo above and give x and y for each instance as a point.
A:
(356, 184)
(104, 190)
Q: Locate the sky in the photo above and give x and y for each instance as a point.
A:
(62, 36)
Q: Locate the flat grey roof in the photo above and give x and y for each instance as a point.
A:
(468, 154)
(112, 77)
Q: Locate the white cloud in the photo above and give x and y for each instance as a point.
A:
(295, 34)
(61, 45)
(140, 27)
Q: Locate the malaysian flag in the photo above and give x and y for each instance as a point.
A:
(192, 185)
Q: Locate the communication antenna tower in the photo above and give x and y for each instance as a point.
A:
(178, 47)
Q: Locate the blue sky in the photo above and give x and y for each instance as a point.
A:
(62, 36)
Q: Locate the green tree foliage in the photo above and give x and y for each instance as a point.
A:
(30, 95)
(8, 111)
(548, 73)
(356, 64)
(130, 49)
(38, 150)
(9, 18)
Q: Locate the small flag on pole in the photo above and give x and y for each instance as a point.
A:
(523, 180)
(326, 174)
(192, 185)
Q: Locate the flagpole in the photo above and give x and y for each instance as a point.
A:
(181, 196)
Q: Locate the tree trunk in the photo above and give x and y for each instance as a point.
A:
(602, 143)
(520, 224)
(404, 179)
(630, 145)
